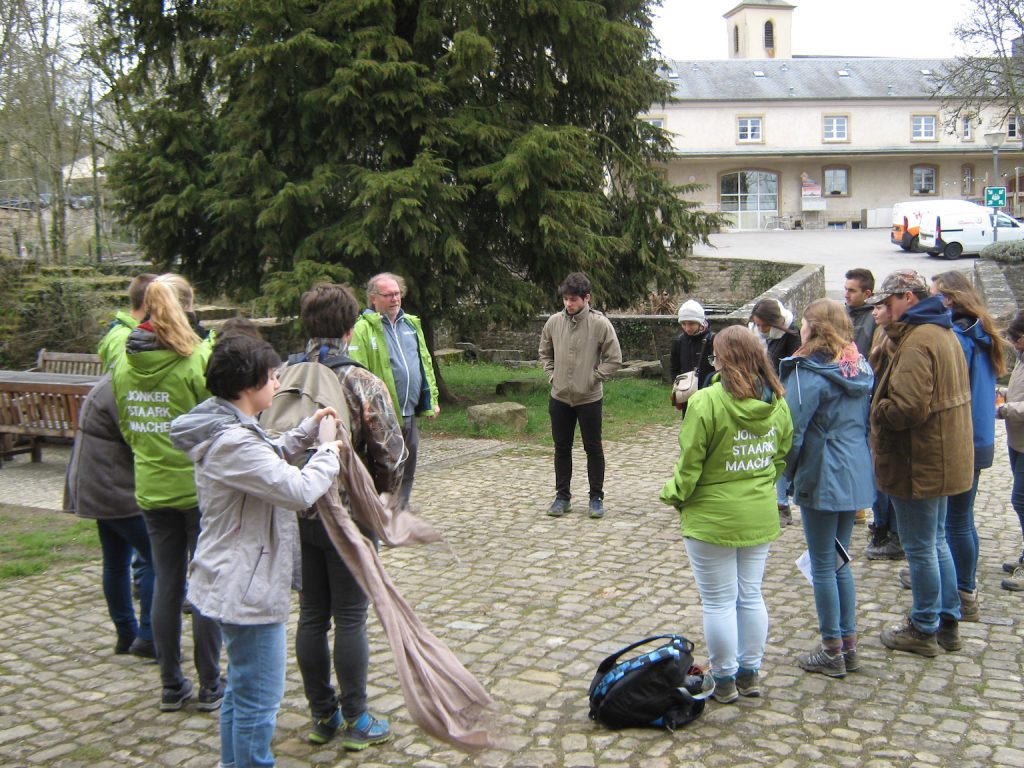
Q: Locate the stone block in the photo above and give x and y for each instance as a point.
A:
(448, 356)
(627, 372)
(500, 355)
(502, 414)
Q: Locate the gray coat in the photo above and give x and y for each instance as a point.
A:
(100, 481)
(247, 558)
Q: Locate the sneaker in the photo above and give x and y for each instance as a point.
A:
(948, 635)
(725, 690)
(210, 699)
(860, 517)
(905, 578)
(143, 648)
(1016, 581)
(365, 732)
(852, 660)
(969, 608)
(325, 729)
(785, 515)
(559, 507)
(883, 545)
(907, 637)
(748, 683)
(123, 644)
(596, 509)
(174, 699)
(830, 664)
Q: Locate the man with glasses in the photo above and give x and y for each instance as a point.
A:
(924, 452)
(390, 343)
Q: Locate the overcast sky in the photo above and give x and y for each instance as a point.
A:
(695, 29)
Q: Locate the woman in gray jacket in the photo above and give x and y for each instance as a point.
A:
(246, 560)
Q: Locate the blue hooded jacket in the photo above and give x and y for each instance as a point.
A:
(830, 460)
(977, 346)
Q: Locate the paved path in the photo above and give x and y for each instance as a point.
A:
(531, 605)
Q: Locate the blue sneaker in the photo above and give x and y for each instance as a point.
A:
(325, 729)
(365, 732)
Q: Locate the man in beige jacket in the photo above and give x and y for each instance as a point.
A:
(579, 350)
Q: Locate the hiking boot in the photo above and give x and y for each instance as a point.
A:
(860, 517)
(948, 635)
(596, 509)
(785, 515)
(907, 637)
(365, 732)
(174, 699)
(969, 608)
(1014, 564)
(852, 660)
(1016, 581)
(325, 729)
(905, 578)
(725, 690)
(210, 699)
(830, 664)
(883, 545)
(559, 507)
(748, 684)
(143, 648)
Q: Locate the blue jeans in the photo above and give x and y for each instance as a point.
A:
(962, 535)
(248, 715)
(835, 595)
(883, 514)
(932, 575)
(119, 539)
(782, 491)
(1017, 493)
(735, 617)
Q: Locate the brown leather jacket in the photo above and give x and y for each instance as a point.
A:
(921, 415)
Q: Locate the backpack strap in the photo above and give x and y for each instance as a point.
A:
(608, 663)
(334, 362)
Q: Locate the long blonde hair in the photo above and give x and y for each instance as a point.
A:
(745, 369)
(966, 300)
(831, 329)
(168, 298)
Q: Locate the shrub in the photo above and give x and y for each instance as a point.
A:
(1010, 252)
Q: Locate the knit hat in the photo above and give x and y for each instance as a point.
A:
(692, 311)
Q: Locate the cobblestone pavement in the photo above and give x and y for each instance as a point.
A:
(531, 604)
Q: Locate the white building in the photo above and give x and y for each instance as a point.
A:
(819, 141)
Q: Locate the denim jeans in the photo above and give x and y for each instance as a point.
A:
(1017, 492)
(329, 590)
(782, 491)
(120, 539)
(256, 661)
(962, 535)
(735, 617)
(882, 513)
(835, 594)
(932, 575)
(173, 534)
(411, 435)
(563, 431)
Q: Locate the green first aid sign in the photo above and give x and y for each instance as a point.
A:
(995, 197)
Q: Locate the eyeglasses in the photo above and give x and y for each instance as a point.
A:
(394, 295)
(712, 359)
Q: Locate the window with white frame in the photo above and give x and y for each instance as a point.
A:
(748, 129)
(924, 179)
(967, 181)
(835, 128)
(1013, 128)
(657, 122)
(922, 128)
(967, 128)
(837, 180)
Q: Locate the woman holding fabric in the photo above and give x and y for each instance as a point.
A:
(733, 440)
(828, 389)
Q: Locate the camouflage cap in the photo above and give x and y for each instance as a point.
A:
(900, 281)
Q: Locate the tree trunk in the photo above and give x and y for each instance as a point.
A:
(444, 394)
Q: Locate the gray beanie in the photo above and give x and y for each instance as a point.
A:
(692, 311)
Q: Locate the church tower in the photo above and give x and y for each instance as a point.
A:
(760, 29)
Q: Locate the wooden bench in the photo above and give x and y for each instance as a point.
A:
(81, 363)
(36, 407)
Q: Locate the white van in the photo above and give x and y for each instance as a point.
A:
(953, 228)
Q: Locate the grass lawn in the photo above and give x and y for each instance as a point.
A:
(36, 539)
(630, 405)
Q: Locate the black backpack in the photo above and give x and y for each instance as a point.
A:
(658, 689)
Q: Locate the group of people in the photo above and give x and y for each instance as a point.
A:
(172, 462)
(888, 402)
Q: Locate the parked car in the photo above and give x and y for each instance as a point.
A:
(78, 202)
(964, 229)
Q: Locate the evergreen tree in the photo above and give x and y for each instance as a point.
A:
(481, 148)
